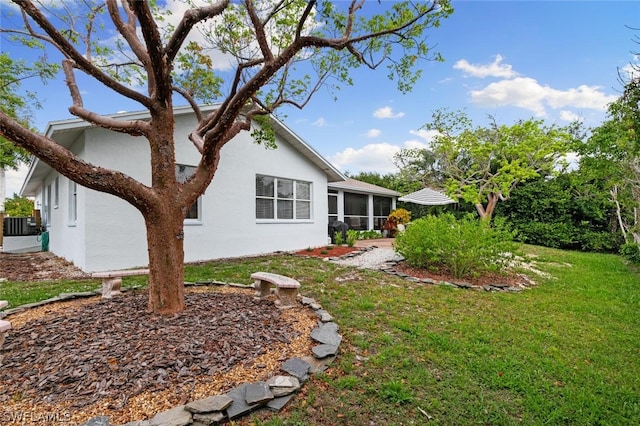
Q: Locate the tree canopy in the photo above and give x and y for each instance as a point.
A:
(249, 57)
(482, 165)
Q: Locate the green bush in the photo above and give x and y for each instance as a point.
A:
(464, 247)
(368, 235)
(554, 235)
(631, 252)
(352, 236)
(337, 237)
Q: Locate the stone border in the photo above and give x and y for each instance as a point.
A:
(390, 268)
(357, 252)
(273, 394)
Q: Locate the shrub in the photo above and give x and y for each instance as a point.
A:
(337, 237)
(391, 226)
(631, 252)
(352, 236)
(401, 216)
(464, 247)
(367, 235)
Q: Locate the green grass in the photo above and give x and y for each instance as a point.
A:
(565, 352)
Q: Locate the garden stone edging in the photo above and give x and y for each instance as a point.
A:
(247, 397)
(390, 268)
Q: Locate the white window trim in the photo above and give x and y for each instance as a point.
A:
(196, 221)
(275, 199)
(56, 192)
(193, 221)
(73, 203)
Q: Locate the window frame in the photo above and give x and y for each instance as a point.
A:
(73, 203)
(356, 220)
(277, 199)
(182, 174)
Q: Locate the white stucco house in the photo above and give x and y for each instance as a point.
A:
(260, 200)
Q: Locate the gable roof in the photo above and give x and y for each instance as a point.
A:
(353, 185)
(65, 132)
(427, 197)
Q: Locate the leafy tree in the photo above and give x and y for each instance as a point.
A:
(610, 162)
(419, 166)
(17, 105)
(483, 165)
(18, 206)
(562, 211)
(282, 53)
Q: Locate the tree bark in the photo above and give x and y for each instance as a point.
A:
(486, 213)
(165, 239)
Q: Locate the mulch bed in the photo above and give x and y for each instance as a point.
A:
(328, 251)
(441, 274)
(112, 358)
(39, 266)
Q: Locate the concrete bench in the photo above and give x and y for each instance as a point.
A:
(286, 288)
(112, 280)
(4, 326)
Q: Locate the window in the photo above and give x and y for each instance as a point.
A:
(183, 172)
(356, 211)
(381, 210)
(282, 199)
(73, 203)
(333, 206)
(56, 193)
(47, 206)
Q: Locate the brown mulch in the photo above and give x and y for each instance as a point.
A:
(91, 357)
(328, 251)
(39, 266)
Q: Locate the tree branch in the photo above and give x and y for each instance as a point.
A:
(191, 17)
(81, 62)
(70, 165)
(128, 31)
(135, 128)
(261, 37)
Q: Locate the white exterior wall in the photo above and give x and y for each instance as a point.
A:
(113, 231)
(66, 239)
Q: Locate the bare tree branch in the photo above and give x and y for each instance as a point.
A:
(192, 17)
(135, 128)
(70, 165)
(261, 37)
(80, 61)
(128, 30)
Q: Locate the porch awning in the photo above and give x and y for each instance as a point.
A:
(427, 197)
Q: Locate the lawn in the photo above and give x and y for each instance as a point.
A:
(564, 352)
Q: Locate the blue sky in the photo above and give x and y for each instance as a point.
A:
(552, 60)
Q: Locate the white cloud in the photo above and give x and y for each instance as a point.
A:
(494, 69)
(427, 135)
(527, 93)
(320, 122)
(570, 116)
(376, 157)
(14, 180)
(387, 112)
(373, 133)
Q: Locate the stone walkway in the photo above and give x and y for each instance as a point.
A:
(380, 253)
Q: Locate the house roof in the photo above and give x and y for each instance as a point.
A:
(65, 132)
(427, 197)
(353, 185)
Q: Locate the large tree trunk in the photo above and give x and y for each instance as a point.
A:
(165, 239)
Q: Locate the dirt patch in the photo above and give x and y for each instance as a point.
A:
(39, 266)
(328, 251)
(96, 357)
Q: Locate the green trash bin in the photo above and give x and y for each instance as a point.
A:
(44, 240)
